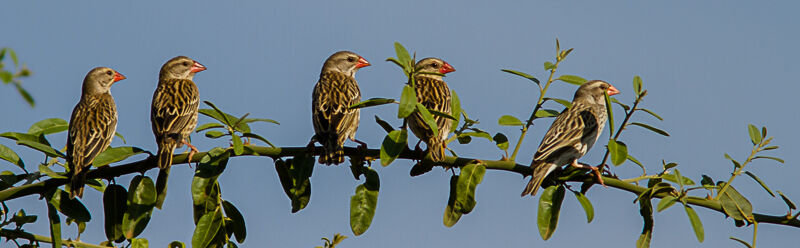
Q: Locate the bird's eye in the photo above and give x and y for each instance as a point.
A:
(604, 86)
(109, 73)
(351, 59)
(185, 63)
(435, 65)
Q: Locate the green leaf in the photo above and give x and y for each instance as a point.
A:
(501, 141)
(385, 125)
(646, 211)
(549, 66)
(586, 204)
(239, 227)
(215, 134)
(428, 118)
(372, 102)
(207, 227)
(656, 130)
(549, 209)
(455, 110)
(624, 106)
(24, 93)
(115, 200)
(741, 242)
(572, 79)
(258, 137)
(46, 149)
(696, 224)
(637, 84)
(364, 202)
(238, 148)
(55, 225)
(544, 113)
(651, 113)
(471, 175)
(480, 134)
(408, 101)
(666, 202)
(610, 114)
(522, 74)
(294, 176)
(48, 126)
(441, 114)
(13, 57)
(393, 144)
(508, 120)
(9, 155)
(618, 151)
(117, 134)
(673, 177)
(43, 168)
(115, 154)
(141, 200)
(763, 185)
(451, 214)
(768, 157)
(402, 55)
(24, 136)
(72, 208)
(6, 76)
(139, 243)
(251, 120)
(566, 103)
(755, 136)
(734, 204)
(209, 125)
(787, 201)
(635, 161)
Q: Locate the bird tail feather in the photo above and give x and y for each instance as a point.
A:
(437, 150)
(165, 155)
(540, 172)
(332, 153)
(77, 184)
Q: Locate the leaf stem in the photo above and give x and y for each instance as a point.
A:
(535, 109)
(737, 171)
(628, 115)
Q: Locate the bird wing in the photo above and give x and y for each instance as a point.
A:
(175, 104)
(434, 95)
(567, 131)
(91, 129)
(331, 99)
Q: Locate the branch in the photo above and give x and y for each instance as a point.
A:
(250, 150)
(15, 234)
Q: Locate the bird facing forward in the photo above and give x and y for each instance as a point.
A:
(572, 134)
(173, 113)
(334, 93)
(91, 126)
(433, 93)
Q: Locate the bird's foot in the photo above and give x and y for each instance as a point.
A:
(192, 150)
(595, 171)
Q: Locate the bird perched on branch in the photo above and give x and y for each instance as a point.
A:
(173, 113)
(334, 93)
(572, 134)
(91, 126)
(433, 93)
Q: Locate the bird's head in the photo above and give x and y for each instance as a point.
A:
(344, 62)
(180, 67)
(100, 79)
(593, 91)
(433, 65)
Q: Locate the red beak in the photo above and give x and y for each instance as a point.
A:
(362, 63)
(612, 90)
(118, 76)
(197, 67)
(446, 68)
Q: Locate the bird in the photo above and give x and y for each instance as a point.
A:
(173, 112)
(335, 91)
(433, 93)
(92, 125)
(572, 134)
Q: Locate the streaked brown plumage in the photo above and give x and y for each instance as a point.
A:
(434, 94)
(173, 113)
(572, 134)
(335, 91)
(91, 126)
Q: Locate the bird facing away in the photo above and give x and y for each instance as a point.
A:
(91, 126)
(173, 113)
(334, 93)
(572, 134)
(433, 93)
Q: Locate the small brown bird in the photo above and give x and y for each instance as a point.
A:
(572, 134)
(335, 91)
(434, 94)
(91, 126)
(173, 113)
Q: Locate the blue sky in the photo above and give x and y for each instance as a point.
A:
(711, 68)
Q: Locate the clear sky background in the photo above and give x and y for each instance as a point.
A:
(711, 67)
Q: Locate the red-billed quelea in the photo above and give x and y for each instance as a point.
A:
(92, 125)
(572, 134)
(335, 91)
(173, 113)
(433, 93)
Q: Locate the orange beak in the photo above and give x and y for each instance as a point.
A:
(197, 67)
(612, 90)
(362, 63)
(118, 76)
(446, 68)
